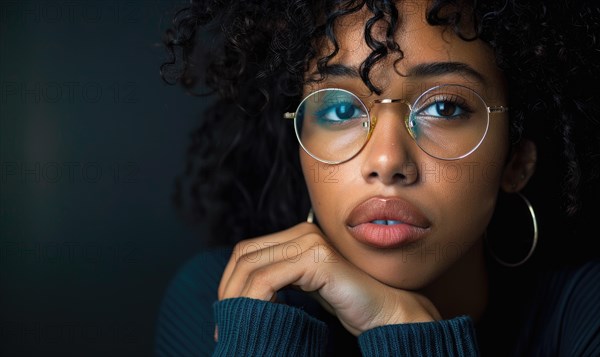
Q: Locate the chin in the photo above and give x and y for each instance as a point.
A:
(401, 274)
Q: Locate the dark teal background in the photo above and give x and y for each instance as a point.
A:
(90, 142)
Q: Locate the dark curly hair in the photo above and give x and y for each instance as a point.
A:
(243, 174)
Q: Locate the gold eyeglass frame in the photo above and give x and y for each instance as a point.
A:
(372, 120)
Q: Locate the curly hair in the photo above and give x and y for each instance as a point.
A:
(243, 175)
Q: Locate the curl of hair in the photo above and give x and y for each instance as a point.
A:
(243, 175)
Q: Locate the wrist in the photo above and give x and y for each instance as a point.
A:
(406, 308)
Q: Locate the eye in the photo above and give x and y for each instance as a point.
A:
(340, 112)
(443, 109)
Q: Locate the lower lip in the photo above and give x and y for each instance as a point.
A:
(386, 236)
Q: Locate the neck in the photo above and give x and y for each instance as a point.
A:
(463, 289)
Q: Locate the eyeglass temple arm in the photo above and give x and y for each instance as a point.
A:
(497, 109)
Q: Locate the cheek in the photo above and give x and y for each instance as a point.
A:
(467, 192)
(310, 171)
(330, 188)
(322, 181)
(485, 168)
(477, 196)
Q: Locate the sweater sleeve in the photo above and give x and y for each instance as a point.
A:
(579, 311)
(185, 324)
(453, 337)
(568, 318)
(250, 327)
(189, 313)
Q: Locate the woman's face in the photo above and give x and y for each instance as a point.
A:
(436, 210)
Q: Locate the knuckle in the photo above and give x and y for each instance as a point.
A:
(246, 250)
(260, 277)
(242, 246)
(245, 261)
(237, 249)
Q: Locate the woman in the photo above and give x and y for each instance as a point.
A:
(426, 141)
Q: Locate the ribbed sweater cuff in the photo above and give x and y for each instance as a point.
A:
(453, 337)
(260, 328)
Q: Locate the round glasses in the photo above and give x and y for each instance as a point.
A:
(447, 122)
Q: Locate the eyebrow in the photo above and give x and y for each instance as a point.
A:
(441, 68)
(339, 70)
(430, 69)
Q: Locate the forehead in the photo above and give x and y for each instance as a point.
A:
(419, 42)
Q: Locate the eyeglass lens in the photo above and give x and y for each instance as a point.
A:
(447, 122)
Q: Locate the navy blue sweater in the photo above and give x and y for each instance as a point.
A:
(552, 314)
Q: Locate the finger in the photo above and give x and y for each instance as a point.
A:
(246, 265)
(264, 283)
(239, 273)
(286, 263)
(248, 248)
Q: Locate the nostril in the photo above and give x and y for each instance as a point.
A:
(399, 178)
(396, 177)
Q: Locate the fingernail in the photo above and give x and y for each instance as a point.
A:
(216, 335)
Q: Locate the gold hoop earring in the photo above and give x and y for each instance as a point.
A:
(533, 244)
(311, 216)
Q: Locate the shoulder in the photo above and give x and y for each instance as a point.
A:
(185, 322)
(565, 314)
(575, 285)
(578, 292)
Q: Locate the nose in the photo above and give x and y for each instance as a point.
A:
(388, 156)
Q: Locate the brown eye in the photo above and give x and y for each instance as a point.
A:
(443, 110)
(446, 109)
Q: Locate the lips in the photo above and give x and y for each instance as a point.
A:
(387, 222)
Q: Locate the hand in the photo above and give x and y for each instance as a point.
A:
(301, 257)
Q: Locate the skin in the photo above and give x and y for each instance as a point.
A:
(440, 276)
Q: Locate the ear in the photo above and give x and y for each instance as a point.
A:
(520, 166)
